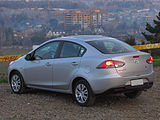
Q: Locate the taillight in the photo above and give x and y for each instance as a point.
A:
(135, 56)
(150, 60)
(111, 64)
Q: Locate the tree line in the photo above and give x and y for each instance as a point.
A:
(152, 34)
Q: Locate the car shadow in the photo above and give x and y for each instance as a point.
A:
(101, 100)
(110, 99)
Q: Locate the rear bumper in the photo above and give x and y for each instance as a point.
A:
(129, 88)
(110, 82)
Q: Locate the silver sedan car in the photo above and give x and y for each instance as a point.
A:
(84, 66)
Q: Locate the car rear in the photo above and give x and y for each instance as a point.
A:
(120, 67)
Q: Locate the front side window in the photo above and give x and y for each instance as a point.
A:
(71, 50)
(111, 46)
(47, 51)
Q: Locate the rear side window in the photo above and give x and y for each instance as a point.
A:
(70, 49)
(111, 46)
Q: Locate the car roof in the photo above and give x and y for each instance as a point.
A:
(77, 38)
(83, 38)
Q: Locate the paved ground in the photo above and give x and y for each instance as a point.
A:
(44, 105)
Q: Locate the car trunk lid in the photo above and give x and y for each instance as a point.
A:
(135, 63)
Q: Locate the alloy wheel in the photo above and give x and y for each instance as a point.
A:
(81, 93)
(16, 83)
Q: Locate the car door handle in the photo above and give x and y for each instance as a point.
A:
(48, 64)
(74, 63)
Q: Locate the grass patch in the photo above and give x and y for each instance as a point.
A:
(3, 80)
(6, 52)
(4, 66)
(156, 62)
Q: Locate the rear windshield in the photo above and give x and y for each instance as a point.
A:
(111, 46)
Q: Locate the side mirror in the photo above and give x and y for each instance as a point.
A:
(28, 57)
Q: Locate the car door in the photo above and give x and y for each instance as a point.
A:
(67, 64)
(39, 71)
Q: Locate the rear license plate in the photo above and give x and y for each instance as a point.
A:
(136, 82)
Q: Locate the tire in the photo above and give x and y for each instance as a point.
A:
(17, 83)
(83, 94)
(133, 94)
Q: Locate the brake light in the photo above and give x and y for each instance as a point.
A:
(111, 64)
(135, 56)
(118, 89)
(150, 60)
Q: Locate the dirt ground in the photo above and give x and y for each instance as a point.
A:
(44, 105)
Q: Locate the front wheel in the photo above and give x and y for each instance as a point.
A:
(133, 94)
(17, 83)
(83, 94)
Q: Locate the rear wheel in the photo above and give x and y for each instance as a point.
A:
(133, 94)
(83, 94)
(17, 83)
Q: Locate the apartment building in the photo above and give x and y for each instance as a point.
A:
(84, 19)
